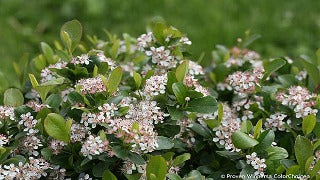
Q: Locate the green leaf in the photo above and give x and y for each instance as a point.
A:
(114, 80)
(164, 143)
(312, 70)
(175, 113)
(157, 167)
(308, 124)
(46, 87)
(54, 100)
(265, 140)
(13, 97)
(243, 141)
(171, 79)
(120, 152)
(108, 175)
(74, 97)
(173, 176)
(46, 153)
(257, 129)
(158, 27)
(287, 80)
(136, 158)
(246, 126)
(276, 153)
(47, 52)
(229, 154)
(39, 62)
(205, 105)
(220, 112)
(182, 71)
(194, 175)
(303, 150)
(199, 129)
(246, 172)
(316, 144)
(250, 40)
(115, 49)
(180, 91)
(181, 159)
(293, 170)
(57, 127)
(74, 30)
(315, 169)
(272, 66)
(66, 39)
(137, 79)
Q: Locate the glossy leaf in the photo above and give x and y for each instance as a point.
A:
(57, 127)
(243, 141)
(156, 168)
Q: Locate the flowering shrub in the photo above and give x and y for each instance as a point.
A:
(139, 108)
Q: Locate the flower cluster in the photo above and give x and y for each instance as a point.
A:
(94, 146)
(230, 123)
(162, 57)
(29, 123)
(257, 163)
(190, 81)
(245, 82)
(47, 74)
(84, 59)
(34, 169)
(276, 121)
(6, 112)
(240, 56)
(155, 85)
(299, 99)
(144, 40)
(91, 85)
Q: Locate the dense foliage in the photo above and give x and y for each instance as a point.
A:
(140, 108)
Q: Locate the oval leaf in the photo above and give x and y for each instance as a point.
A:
(308, 124)
(57, 127)
(74, 30)
(114, 80)
(13, 97)
(156, 168)
(182, 70)
(243, 141)
(303, 150)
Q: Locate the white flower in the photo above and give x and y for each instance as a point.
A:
(3, 140)
(82, 59)
(111, 63)
(185, 40)
(161, 57)
(29, 123)
(299, 99)
(275, 121)
(257, 163)
(144, 40)
(230, 123)
(245, 82)
(47, 74)
(6, 112)
(155, 85)
(91, 85)
(301, 75)
(94, 146)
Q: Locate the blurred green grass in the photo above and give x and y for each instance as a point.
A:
(287, 27)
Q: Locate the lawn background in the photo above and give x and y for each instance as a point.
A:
(287, 27)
